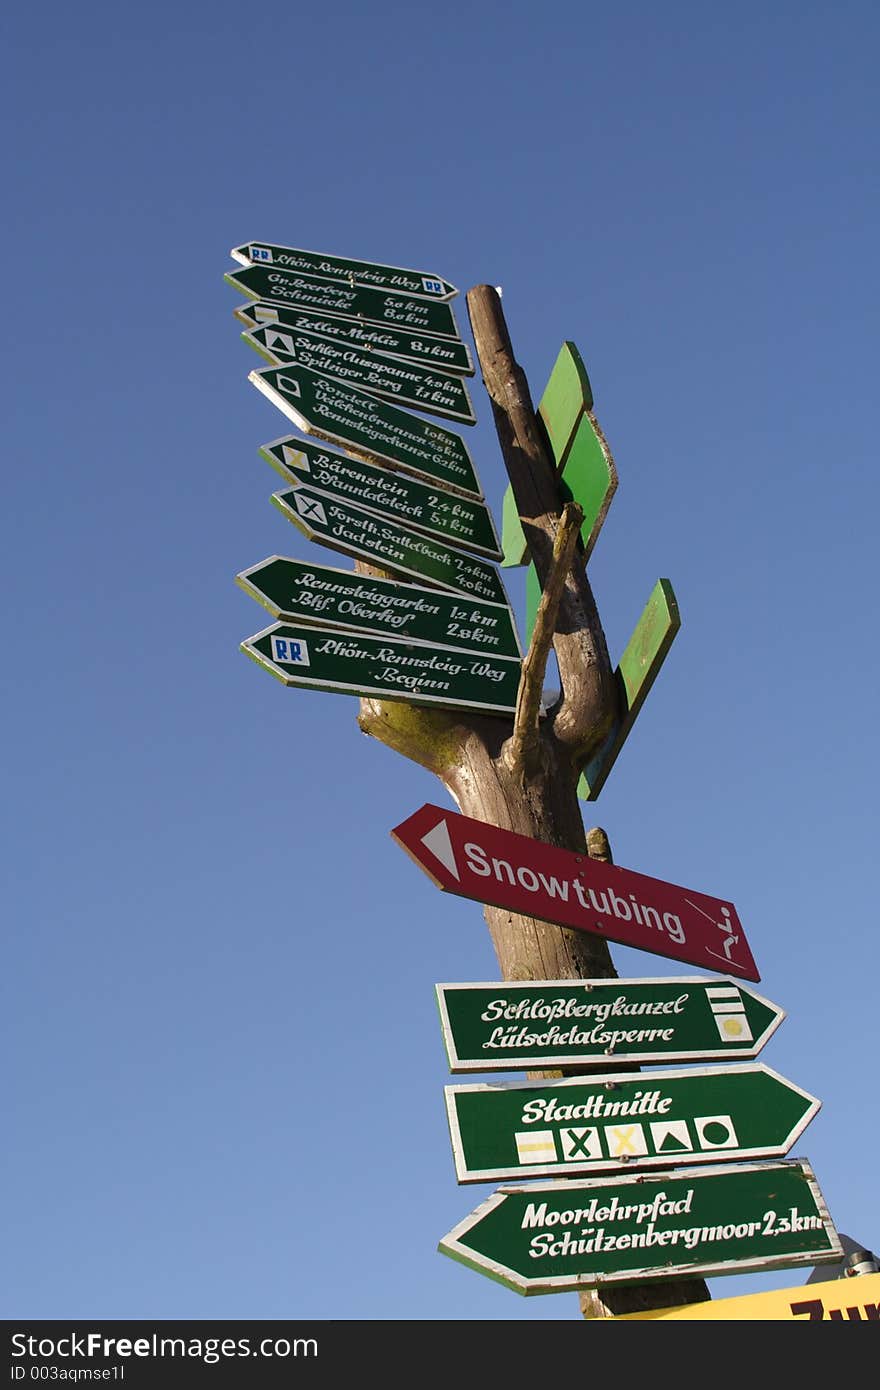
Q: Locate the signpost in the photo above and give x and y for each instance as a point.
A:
(476, 860)
(319, 658)
(345, 271)
(298, 592)
(353, 531)
(356, 420)
(372, 306)
(835, 1300)
(403, 382)
(461, 520)
(327, 322)
(609, 1121)
(441, 354)
(552, 1237)
(514, 1026)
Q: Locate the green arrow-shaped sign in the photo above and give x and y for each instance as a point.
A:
(373, 306)
(398, 381)
(636, 672)
(358, 533)
(464, 522)
(305, 593)
(345, 271)
(554, 1237)
(333, 410)
(556, 1023)
(385, 668)
(440, 354)
(611, 1121)
(581, 456)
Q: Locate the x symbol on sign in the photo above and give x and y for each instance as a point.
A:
(623, 1139)
(310, 508)
(579, 1143)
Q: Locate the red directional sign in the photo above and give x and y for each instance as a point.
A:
(481, 861)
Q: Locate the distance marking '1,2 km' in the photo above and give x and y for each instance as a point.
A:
(296, 592)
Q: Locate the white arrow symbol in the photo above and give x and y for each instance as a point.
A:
(440, 845)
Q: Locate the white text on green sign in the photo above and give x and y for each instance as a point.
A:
(650, 1120)
(372, 306)
(346, 271)
(441, 354)
(554, 1023)
(356, 532)
(554, 1237)
(464, 521)
(403, 382)
(384, 668)
(336, 411)
(297, 592)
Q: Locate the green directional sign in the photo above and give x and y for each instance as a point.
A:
(402, 382)
(333, 410)
(440, 354)
(353, 531)
(345, 271)
(298, 592)
(373, 306)
(636, 672)
(555, 1023)
(559, 1236)
(385, 668)
(649, 1120)
(461, 520)
(580, 454)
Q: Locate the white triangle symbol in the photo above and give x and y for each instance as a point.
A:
(440, 845)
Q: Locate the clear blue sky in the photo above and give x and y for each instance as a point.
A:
(223, 1071)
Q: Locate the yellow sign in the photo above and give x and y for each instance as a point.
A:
(840, 1300)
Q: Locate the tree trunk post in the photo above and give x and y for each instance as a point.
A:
(522, 775)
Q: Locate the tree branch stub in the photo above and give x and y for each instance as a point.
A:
(523, 749)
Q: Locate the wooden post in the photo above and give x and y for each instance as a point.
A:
(523, 776)
(636, 1298)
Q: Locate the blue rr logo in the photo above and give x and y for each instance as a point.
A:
(290, 651)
